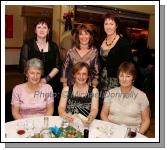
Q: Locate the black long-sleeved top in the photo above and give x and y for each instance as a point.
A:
(51, 59)
(119, 53)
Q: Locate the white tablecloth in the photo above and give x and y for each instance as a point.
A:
(98, 128)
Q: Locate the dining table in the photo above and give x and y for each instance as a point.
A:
(28, 127)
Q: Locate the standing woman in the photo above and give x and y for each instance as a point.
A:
(47, 51)
(114, 50)
(82, 51)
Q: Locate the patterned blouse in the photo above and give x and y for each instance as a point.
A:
(32, 104)
(73, 57)
(79, 104)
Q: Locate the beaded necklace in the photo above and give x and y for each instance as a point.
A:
(111, 41)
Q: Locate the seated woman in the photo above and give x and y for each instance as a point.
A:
(127, 105)
(80, 97)
(32, 98)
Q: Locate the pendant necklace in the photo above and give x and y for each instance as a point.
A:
(42, 46)
(111, 41)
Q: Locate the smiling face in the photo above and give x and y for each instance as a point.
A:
(125, 79)
(110, 26)
(84, 37)
(42, 30)
(81, 76)
(34, 75)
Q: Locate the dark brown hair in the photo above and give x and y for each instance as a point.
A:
(115, 18)
(42, 21)
(86, 28)
(129, 68)
(78, 66)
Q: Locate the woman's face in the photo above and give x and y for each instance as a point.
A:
(84, 37)
(81, 76)
(110, 26)
(42, 30)
(125, 79)
(34, 75)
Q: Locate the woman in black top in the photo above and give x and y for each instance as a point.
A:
(40, 47)
(114, 50)
(79, 98)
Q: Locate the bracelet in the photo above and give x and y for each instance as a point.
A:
(48, 78)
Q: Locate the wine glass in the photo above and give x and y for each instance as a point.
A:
(132, 132)
(20, 128)
(65, 123)
(30, 127)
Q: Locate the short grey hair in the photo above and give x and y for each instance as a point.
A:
(36, 63)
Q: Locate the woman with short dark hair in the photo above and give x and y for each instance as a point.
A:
(113, 51)
(46, 50)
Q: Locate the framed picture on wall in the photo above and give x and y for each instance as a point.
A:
(8, 26)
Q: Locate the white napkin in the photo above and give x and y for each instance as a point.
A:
(101, 132)
(103, 129)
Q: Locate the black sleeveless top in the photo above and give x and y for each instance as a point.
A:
(78, 104)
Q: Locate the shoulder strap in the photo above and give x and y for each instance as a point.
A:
(89, 94)
(70, 91)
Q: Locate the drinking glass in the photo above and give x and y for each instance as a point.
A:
(37, 131)
(65, 123)
(30, 127)
(20, 128)
(46, 122)
(132, 132)
(45, 133)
